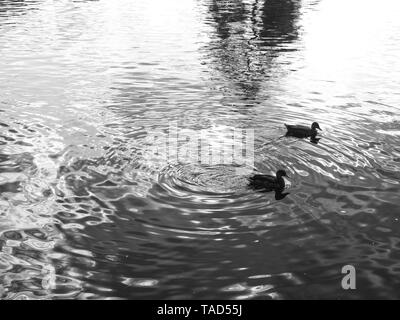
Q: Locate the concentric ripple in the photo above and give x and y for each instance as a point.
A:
(209, 180)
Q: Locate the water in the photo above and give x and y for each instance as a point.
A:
(86, 213)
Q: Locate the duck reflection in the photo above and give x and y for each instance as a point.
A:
(314, 140)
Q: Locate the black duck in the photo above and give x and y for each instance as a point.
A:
(300, 131)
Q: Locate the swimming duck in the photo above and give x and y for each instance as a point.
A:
(270, 183)
(300, 131)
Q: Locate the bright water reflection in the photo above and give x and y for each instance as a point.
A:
(84, 213)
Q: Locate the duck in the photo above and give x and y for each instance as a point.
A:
(300, 131)
(270, 183)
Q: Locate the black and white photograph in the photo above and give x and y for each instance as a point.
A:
(180, 151)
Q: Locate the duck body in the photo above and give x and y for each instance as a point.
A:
(300, 131)
(266, 182)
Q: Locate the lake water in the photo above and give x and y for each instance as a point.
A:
(87, 212)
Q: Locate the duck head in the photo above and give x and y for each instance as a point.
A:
(315, 126)
(280, 174)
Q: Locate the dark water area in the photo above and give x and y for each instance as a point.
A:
(86, 212)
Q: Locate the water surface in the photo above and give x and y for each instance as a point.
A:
(86, 213)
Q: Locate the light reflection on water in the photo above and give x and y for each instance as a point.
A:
(84, 213)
